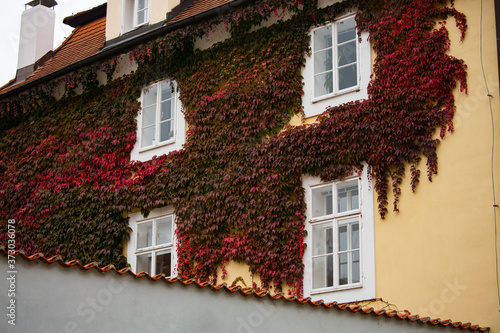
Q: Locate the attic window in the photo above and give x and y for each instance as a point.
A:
(134, 14)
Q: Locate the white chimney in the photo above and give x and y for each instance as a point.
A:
(37, 32)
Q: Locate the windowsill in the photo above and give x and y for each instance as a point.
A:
(163, 144)
(333, 95)
(336, 289)
(141, 25)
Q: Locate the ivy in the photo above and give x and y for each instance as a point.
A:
(236, 185)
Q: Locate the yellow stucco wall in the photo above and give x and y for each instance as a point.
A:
(113, 19)
(436, 256)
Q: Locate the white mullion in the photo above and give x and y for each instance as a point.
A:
(336, 262)
(158, 112)
(335, 52)
(349, 254)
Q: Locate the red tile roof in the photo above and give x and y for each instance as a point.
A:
(198, 7)
(84, 41)
(260, 294)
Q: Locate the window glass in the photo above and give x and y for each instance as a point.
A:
(322, 272)
(348, 196)
(144, 235)
(164, 231)
(346, 30)
(163, 263)
(150, 96)
(323, 38)
(144, 263)
(322, 238)
(322, 201)
(149, 116)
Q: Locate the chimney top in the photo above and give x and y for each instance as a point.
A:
(46, 3)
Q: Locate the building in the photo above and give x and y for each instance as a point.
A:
(270, 142)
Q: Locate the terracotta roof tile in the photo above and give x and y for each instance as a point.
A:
(260, 294)
(198, 7)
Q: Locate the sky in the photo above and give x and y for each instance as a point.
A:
(10, 25)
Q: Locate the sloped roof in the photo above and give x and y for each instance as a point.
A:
(84, 41)
(358, 309)
(197, 7)
(87, 41)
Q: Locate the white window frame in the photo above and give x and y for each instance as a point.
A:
(129, 15)
(135, 220)
(357, 291)
(178, 124)
(314, 106)
(147, 11)
(335, 68)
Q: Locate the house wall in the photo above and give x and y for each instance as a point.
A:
(437, 256)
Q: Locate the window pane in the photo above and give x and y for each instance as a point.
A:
(347, 53)
(144, 235)
(166, 110)
(355, 236)
(343, 238)
(144, 263)
(323, 84)
(149, 116)
(323, 38)
(163, 263)
(141, 4)
(322, 236)
(322, 201)
(166, 90)
(346, 30)
(343, 268)
(355, 267)
(166, 131)
(164, 231)
(141, 17)
(322, 272)
(150, 95)
(148, 136)
(348, 196)
(348, 77)
(323, 61)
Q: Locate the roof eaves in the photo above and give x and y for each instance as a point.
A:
(113, 49)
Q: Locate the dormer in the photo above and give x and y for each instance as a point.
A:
(125, 16)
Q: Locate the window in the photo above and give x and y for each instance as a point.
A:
(154, 242)
(336, 246)
(134, 14)
(158, 114)
(335, 56)
(339, 260)
(161, 127)
(339, 67)
(141, 12)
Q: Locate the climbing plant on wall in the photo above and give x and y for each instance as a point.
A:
(236, 185)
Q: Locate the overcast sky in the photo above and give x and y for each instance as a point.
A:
(10, 20)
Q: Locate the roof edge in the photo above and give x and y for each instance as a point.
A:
(124, 45)
(390, 314)
(87, 16)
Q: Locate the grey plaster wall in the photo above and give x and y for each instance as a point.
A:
(50, 298)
